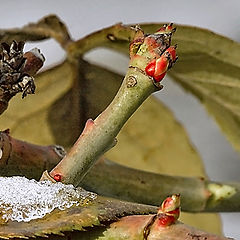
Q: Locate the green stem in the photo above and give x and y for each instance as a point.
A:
(197, 194)
(114, 34)
(99, 135)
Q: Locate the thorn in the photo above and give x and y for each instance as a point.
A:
(88, 126)
(89, 123)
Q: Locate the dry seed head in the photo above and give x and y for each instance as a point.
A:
(17, 68)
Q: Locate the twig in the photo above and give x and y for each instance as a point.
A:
(22, 158)
(197, 194)
(151, 57)
(110, 179)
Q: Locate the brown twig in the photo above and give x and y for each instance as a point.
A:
(22, 158)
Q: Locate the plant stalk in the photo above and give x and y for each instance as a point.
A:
(197, 194)
(99, 135)
(150, 57)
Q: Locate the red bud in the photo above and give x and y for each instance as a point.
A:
(170, 204)
(57, 178)
(165, 220)
(150, 68)
(172, 51)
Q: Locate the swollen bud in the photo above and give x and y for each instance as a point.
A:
(157, 68)
(165, 29)
(169, 211)
(170, 204)
(34, 61)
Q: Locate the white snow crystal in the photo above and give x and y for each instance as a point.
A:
(22, 199)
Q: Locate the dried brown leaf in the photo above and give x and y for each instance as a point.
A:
(48, 27)
(100, 212)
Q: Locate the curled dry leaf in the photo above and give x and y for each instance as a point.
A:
(48, 27)
(17, 70)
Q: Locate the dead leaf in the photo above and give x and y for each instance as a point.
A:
(98, 212)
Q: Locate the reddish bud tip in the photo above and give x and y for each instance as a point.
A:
(166, 29)
(172, 52)
(57, 177)
(161, 66)
(169, 211)
(165, 220)
(169, 27)
(157, 68)
(150, 68)
(160, 77)
(170, 204)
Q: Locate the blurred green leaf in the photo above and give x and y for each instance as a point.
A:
(210, 68)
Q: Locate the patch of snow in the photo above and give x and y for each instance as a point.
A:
(22, 199)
